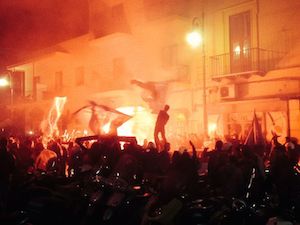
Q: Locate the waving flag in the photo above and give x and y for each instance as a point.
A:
(104, 120)
(154, 93)
(255, 136)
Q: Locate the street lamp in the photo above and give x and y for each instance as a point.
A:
(4, 82)
(195, 39)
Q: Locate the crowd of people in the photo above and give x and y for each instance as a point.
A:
(231, 169)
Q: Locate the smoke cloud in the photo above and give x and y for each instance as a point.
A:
(26, 25)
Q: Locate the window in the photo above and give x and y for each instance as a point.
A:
(183, 73)
(154, 8)
(58, 85)
(240, 39)
(79, 76)
(117, 13)
(118, 19)
(169, 56)
(36, 81)
(157, 9)
(18, 85)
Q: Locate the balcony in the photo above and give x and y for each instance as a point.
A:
(254, 61)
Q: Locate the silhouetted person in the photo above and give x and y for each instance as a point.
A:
(150, 159)
(109, 115)
(289, 144)
(24, 156)
(281, 174)
(217, 159)
(94, 123)
(161, 122)
(164, 158)
(7, 166)
(292, 151)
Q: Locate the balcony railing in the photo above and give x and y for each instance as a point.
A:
(245, 62)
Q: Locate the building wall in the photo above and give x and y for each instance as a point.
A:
(278, 24)
(146, 41)
(274, 28)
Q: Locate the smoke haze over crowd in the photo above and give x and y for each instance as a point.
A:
(26, 25)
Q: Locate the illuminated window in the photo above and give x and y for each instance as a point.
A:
(240, 39)
(237, 50)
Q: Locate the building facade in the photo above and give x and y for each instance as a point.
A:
(249, 61)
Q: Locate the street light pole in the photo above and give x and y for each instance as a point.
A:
(195, 38)
(204, 95)
(204, 84)
(11, 89)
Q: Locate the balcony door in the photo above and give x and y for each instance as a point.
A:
(240, 39)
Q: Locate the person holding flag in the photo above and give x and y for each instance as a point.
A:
(102, 115)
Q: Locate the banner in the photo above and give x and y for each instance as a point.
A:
(104, 120)
(255, 135)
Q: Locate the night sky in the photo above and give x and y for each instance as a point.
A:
(27, 25)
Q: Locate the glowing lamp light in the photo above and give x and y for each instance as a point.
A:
(194, 39)
(237, 50)
(4, 82)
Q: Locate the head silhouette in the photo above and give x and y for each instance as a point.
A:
(219, 145)
(166, 108)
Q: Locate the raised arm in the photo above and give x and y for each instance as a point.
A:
(194, 150)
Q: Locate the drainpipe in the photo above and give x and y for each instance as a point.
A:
(257, 34)
(288, 117)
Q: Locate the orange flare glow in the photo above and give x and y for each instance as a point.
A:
(49, 126)
(140, 125)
